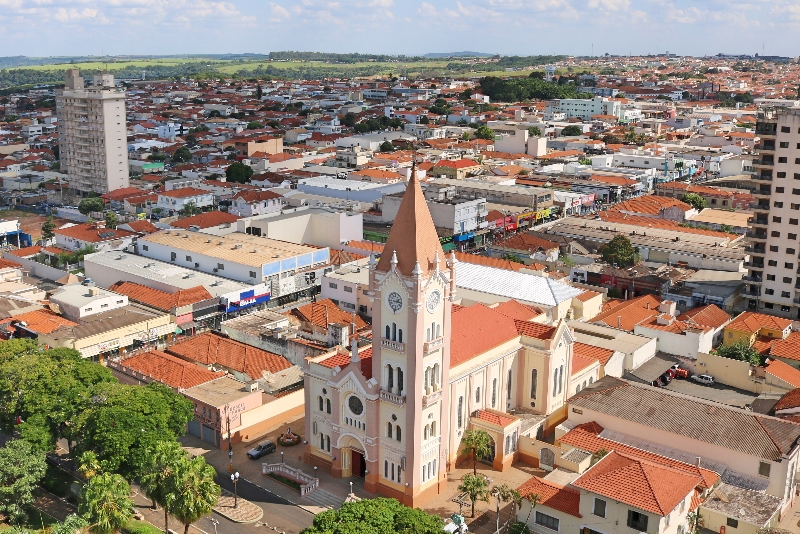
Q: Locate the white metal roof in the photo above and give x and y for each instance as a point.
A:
(514, 285)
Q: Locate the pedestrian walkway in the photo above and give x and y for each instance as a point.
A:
(243, 512)
(52, 505)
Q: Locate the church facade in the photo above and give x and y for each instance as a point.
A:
(394, 411)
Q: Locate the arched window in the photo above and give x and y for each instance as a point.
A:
(399, 380)
(397, 433)
(534, 379)
(584, 385)
(386, 469)
(328, 443)
(320, 403)
(508, 386)
(392, 470)
(433, 429)
(322, 442)
(438, 331)
(328, 405)
(389, 377)
(433, 468)
(435, 379)
(388, 430)
(561, 379)
(425, 432)
(494, 392)
(394, 331)
(314, 426)
(400, 335)
(477, 394)
(460, 415)
(591, 379)
(555, 382)
(427, 334)
(433, 331)
(388, 332)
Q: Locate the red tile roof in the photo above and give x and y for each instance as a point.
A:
(42, 321)
(324, 312)
(172, 371)
(535, 330)
(142, 227)
(458, 164)
(553, 495)
(8, 264)
(494, 417)
(648, 485)
(212, 349)
(91, 233)
(788, 401)
(585, 437)
(710, 315)
(784, 371)
(589, 351)
(206, 220)
(342, 359)
(184, 192)
(788, 348)
(579, 363)
(161, 299)
(490, 262)
(586, 295)
(753, 322)
(256, 196)
(517, 310)
(628, 314)
(524, 241)
(478, 329)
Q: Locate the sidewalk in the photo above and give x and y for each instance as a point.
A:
(52, 505)
(244, 512)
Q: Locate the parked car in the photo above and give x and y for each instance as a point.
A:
(666, 378)
(261, 449)
(703, 379)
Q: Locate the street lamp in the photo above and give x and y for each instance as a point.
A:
(235, 479)
(215, 523)
(281, 456)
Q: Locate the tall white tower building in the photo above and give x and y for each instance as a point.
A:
(92, 136)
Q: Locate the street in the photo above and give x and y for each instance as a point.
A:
(277, 513)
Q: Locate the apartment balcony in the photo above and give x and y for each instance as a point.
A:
(431, 398)
(753, 278)
(755, 263)
(754, 249)
(762, 193)
(764, 177)
(765, 161)
(397, 400)
(431, 346)
(751, 292)
(759, 222)
(392, 345)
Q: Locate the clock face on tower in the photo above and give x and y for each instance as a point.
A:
(395, 301)
(433, 300)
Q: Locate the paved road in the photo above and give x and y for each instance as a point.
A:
(717, 392)
(277, 512)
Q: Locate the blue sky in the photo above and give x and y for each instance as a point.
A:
(523, 27)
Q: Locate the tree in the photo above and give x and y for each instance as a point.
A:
(694, 522)
(111, 220)
(163, 461)
(620, 251)
(598, 455)
(259, 92)
(89, 205)
(386, 146)
(611, 139)
(349, 119)
(477, 489)
(182, 155)
(21, 469)
(254, 125)
(89, 465)
(741, 351)
(505, 493)
(484, 132)
(534, 131)
(572, 130)
(72, 523)
(695, 200)
(189, 209)
(192, 492)
(533, 499)
(424, 119)
(238, 172)
(48, 230)
(478, 443)
(105, 503)
(519, 528)
(375, 516)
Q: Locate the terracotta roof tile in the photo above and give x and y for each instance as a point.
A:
(161, 299)
(184, 192)
(710, 315)
(324, 312)
(535, 330)
(784, 371)
(525, 241)
(91, 233)
(42, 321)
(788, 401)
(589, 351)
(645, 484)
(212, 349)
(476, 330)
(753, 322)
(579, 363)
(142, 227)
(494, 417)
(788, 348)
(517, 310)
(586, 295)
(172, 371)
(206, 220)
(342, 359)
(489, 262)
(630, 313)
(553, 495)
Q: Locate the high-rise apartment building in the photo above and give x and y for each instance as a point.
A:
(92, 137)
(774, 268)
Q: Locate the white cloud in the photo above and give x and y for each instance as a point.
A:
(610, 5)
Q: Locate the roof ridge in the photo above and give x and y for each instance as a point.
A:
(758, 420)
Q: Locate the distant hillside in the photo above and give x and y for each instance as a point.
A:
(458, 54)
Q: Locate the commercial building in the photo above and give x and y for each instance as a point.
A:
(774, 286)
(451, 213)
(92, 136)
(287, 267)
(306, 225)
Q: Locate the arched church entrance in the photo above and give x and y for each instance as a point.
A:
(354, 457)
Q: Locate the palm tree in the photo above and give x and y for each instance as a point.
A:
(477, 442)
(106, 503)
(476, 487)
(534, 499)
(72, 523)
(192, 491)
(503, 494)
(89, 465)
(163, 461)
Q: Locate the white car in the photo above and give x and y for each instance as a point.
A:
(703, 379)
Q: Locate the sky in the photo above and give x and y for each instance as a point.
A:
(510, 27)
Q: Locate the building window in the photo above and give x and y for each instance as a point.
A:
(787, 280)
(790, 251)
(773, 248)
(144, 247)
(781, 175)
(221, 266)
(332, 285)
(328, 405)
(172, 256)
(534, 379)
(348, 289)
(777, 204)
(561, 379)
(776, 219)
(397, 433)
(788, 265)
(731, 522)
(637, 520)
(388, 430)
(547, 521)
(478, 395)
(508, 386)
(763, 469)
(494, 392)
(782, 159)
(252, 274)
(460, 414)
(188, 258)
(320, 404)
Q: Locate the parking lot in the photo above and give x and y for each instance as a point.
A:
(717, 392)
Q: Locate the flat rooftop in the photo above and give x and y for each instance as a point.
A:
(239, 248)
(162, 272)
(607, 338)
(746, 505)
(218, 392)
(257, 323)
(100, 323)
(732, 218)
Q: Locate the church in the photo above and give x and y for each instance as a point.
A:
(394, 406)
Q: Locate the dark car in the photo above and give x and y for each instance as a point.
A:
(261, 449)
(666, 378)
